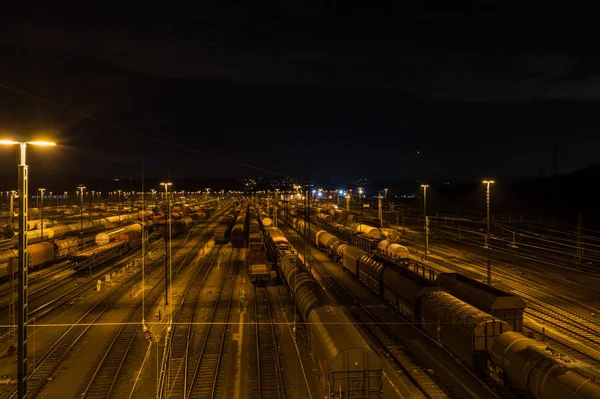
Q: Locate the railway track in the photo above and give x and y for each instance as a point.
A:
(58, 352)
(183, 320)
(37, 277)
(207, 358)
(269, 378)
(563, 320)
(104, 379)
(49, 286)
(53, 304)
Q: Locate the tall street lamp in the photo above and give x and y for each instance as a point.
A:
(167, 238)
(426, 219)
(81, 188)
(360, 192)
(488, 183)
(119, 206)
(42, 214)
(22, 310)
(386, 198)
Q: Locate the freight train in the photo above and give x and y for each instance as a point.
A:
(222, 231)
(484, 343)
(347, 366)
(77, 248)
(259, 268)
(237, 236)
(76, 228)
(40, 254)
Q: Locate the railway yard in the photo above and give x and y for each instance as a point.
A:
(250, 297)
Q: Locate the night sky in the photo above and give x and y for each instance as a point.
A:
(392, 92)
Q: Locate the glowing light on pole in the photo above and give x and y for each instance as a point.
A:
(81, 188)
(167, 241)
(426, 219)
(488, 183)
(42, 214)
(23, 264)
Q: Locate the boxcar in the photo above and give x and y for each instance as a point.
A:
(464, 330)
(497, 302)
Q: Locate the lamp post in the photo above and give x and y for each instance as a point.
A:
(276, 207)
(425, 186)
(360, 192)
(386, 204)
(379, 209)
(167, 238)
(488, 183)
(119, 206)
(42, 214)
(22, 309)
(81, 188)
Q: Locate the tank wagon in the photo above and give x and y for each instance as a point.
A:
(134, 229)
(393, 251)
(347, 366)
(358, 239)
(74, 229)
(253, 226)
(266, 220)
(237, 237)
(522, 365)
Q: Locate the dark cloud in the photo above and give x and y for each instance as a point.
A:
(221, 44)
(475, 93)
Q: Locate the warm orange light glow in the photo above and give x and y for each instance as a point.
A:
(42, 143)
(488, 181)
(39, 143)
